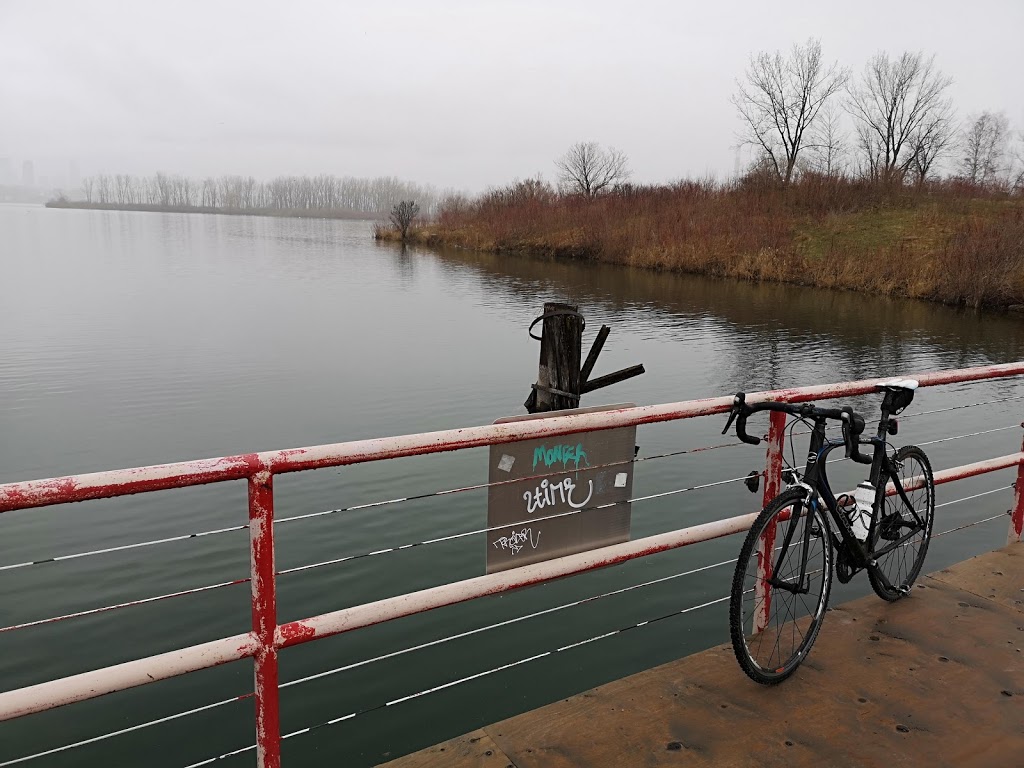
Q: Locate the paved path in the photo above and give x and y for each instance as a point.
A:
(934, 680)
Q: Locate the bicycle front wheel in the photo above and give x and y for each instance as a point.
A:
(774, 614)
(906, 530)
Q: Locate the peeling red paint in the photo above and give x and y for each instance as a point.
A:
(1017, 513)
(264, 617)
(293, 633)
(772, 486)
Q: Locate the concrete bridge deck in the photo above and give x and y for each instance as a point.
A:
(936, 679)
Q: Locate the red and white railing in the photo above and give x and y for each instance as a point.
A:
(268, 637)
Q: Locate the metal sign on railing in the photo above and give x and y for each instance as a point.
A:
(539, 489)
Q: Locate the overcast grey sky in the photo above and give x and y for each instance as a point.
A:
(461, 94)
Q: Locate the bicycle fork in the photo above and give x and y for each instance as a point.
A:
(802, 585)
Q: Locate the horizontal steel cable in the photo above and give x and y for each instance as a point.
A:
(468, 678)
(958, 407)
(353, 508)
(445, 492)
(461, 489)
(942, 410)
(453, 537)
(976, 495)
(363, 555)
(528, 521)
(499, 624)
(126, 604)
(336, 561)
(498, 483)
(383, 657)
(1001, 515)
(107, 550)
(969, 434)
(129, 729)
(970, 524)
(942, 439)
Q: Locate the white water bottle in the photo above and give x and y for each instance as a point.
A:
(864, 496)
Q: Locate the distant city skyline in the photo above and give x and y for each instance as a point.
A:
(53, 174)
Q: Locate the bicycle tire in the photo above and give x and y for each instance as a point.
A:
(761, 670)
(890, 516)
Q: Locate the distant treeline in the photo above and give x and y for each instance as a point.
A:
(334, 213)
(284, 195)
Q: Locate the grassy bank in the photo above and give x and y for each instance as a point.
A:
(944, 242)
(281, 212)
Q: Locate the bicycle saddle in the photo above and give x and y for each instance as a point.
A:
(899, 393)
(897, 385)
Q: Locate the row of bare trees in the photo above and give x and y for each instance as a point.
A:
(284, 193)
(792, 109)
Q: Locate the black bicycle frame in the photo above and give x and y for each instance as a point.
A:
(816, 479)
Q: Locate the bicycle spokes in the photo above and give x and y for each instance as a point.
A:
(779, 610)
(903, 523)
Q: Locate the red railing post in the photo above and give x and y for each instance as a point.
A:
(772, 487)
(264, 618)
(1017, 513)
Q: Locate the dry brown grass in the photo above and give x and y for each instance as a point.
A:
(944, 242)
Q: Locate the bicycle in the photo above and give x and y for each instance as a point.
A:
(774, 618)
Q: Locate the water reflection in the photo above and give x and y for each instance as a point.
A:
(866, 327)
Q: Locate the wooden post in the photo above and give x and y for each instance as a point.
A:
(561, 381)
(561, 349)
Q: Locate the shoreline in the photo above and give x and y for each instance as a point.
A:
(966, 253)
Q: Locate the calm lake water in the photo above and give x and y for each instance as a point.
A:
(134, 338)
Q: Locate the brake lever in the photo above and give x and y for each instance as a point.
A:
(848, 437)
(732, 417)
(737, 405)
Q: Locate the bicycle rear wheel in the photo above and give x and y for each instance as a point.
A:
(895, 521)
(773, 628)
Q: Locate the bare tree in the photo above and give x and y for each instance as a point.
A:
(103, 188)
(402, 216)
(88, 184)
(780, 98)
(984, 146)
(892, 103)
(588, 168)
(935, 137)
(209, 192)
(123, 188)
(828, 145)
(1017, 170)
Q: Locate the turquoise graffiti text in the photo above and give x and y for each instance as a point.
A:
(564, 454)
